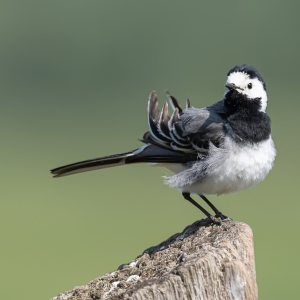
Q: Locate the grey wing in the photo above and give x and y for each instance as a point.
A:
(188, 130)
(203, 127)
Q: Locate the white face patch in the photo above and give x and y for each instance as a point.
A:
(242, 80)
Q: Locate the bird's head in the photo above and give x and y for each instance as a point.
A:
(245, 83)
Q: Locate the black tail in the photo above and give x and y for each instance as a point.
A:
(148, 153)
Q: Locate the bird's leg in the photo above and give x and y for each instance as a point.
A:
(188, 197)
(217, 212)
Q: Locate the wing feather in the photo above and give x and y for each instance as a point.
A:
(189, 130)
(153, 119)
(162, 125)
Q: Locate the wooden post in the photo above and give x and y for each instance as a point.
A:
(204, 261)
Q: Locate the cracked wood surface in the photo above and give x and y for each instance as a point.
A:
(204, 261)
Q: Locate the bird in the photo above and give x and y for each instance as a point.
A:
(223, 148)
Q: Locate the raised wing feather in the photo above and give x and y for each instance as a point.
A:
(189, 130)
(201, 127)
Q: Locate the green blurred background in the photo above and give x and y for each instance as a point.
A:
(74, 83)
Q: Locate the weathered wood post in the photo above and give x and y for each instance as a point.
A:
(205, 261)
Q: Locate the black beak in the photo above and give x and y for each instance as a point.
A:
(232, 86)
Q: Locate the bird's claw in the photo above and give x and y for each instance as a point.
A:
(215, 220)
(221, 216)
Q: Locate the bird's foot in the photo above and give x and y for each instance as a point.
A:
(219, 218)
(222, 217)
(215, 220)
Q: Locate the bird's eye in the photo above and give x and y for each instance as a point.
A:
(249, 86)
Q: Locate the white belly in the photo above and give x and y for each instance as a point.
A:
(230, 170)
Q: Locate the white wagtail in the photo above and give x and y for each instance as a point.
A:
(220, 149)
